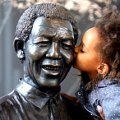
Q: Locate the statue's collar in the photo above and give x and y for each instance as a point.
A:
(34, 95)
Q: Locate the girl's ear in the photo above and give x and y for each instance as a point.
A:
(103, 69)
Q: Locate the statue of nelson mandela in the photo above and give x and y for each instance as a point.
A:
(44, 42)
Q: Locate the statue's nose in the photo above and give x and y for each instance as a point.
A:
(54, 51)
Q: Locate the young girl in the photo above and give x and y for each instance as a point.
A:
(98, 59)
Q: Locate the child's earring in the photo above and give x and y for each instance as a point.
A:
(99, 76)
(106, 75)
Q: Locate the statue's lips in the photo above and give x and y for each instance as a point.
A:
(51, 69)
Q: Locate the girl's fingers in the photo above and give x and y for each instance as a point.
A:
(100, 111)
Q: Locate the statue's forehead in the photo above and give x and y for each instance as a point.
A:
(53, 23)
(49, 26)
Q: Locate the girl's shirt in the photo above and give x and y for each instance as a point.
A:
(105, 94)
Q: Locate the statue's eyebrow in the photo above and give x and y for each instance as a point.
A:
(63, 28)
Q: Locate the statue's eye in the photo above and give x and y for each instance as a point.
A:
(41, 41)
(44, 43)
(67, 44)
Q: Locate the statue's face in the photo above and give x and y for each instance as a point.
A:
(49, 51)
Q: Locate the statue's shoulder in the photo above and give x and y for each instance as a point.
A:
(69, 99)
(7, 99)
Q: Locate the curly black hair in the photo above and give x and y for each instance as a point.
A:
(48, 10)
(109, 29)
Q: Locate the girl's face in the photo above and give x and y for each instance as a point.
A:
(87, 56)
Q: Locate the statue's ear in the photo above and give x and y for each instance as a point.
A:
(18, 45)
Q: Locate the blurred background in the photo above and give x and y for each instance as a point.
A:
(85, 12)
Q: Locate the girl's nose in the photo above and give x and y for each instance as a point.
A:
(76, 50)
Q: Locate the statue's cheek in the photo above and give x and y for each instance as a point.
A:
(67, 55)
(36, 53)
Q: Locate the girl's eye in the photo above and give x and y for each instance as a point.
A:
(81, 50)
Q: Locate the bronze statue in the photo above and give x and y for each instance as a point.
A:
(45, 37)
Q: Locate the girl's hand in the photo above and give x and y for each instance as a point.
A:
(100, 110)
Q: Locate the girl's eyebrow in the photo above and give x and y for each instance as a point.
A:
(83, 45)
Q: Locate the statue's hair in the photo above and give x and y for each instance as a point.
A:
(109, 29)
(48, 10)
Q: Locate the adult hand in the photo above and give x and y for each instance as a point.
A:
(100, 111)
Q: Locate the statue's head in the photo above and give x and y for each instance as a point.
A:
(45, 38)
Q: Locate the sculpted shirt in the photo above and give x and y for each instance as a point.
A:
(28, 103)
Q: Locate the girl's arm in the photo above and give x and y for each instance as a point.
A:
(111, 106)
